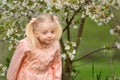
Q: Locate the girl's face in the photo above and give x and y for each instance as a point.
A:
(46, 33)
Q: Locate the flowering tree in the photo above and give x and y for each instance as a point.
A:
(15, 14)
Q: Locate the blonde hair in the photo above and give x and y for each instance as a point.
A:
(32, 25)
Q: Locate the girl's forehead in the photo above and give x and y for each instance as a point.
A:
(47, 26)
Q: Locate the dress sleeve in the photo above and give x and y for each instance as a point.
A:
(57, 66)
(16, 61)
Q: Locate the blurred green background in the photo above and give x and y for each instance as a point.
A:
(106, 62)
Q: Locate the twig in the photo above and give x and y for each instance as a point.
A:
(97, 50)
(71, 19)
(80, 30)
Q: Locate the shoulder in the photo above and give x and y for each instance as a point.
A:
(23, 43)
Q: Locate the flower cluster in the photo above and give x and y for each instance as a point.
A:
(116, 31)
(117, 45)
(13, 36)
(70, 50)
(3, 70)
(99, 11)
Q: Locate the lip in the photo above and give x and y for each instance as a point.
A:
(49, 39)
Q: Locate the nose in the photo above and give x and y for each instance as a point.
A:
(49, 35)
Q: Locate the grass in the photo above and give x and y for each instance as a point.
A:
(106, 69)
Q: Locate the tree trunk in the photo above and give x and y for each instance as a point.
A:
(67, 70)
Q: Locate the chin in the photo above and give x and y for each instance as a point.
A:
(49, 42)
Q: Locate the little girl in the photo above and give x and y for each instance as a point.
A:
(37, 57)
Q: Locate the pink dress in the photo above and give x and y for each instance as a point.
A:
(35, 64)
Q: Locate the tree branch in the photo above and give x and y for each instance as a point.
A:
(62, 45)
(80, 30)
(68, 33)
(70, 21)
(97, 50)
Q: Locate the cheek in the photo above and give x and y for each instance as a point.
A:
(42, 37)
(55, 36)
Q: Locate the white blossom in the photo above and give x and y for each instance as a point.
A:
(3, 69)
(2, 74)
(93, 17)
(82, 1)
(4, 38)
(63, 56)
(16, 41)
(117, 45)
(67, 47)
(74, 52)
(100, 23)
(18, 35)
(83, 15)
(58, 5)
(65, 13)
(112, 31)
(9, 32)
(10, 47)
(74, 44)
(4, 2)
(112, 15)
(118, 27)
(75, 26)
(108, 19)
(71, 56)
